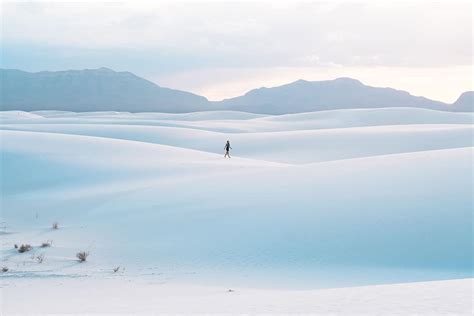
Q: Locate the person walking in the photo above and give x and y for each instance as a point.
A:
(227, 148)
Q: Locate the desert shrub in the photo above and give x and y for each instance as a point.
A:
(39, 258)
(55, 225)
(82, 256)
(46, 244)
(24, 248)
(4, 269)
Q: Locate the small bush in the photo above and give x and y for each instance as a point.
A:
(46, 244)
(82, 256)
(39, 258)
(24, 248)
(4, 269)
(55, 225)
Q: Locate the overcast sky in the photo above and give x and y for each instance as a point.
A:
(222, 50)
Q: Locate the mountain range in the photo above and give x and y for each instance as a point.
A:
(106, 90)
(91, 90)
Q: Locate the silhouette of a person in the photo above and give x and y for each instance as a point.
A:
(227, 148)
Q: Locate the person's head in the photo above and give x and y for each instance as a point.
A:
(227, 141)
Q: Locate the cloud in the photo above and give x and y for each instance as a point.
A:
(249, 34)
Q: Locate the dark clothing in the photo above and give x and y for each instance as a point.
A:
(227, 147)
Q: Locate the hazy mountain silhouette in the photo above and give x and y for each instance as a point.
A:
(342, 93)
(465, 103)
(91, 90)
(107, 90)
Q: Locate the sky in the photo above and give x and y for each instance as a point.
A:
(221, 49)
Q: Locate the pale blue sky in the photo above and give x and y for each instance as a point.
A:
(222, 49)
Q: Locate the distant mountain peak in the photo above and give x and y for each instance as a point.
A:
(104, 69)
(467, 94)
(348, 80)
(345, 80)
(341, 93)
(300, 81)
(465, 102)
(99, 89)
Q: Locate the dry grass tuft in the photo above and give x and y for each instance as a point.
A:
(82, 256)
(24, 248)
(39, 258)
(46, 244)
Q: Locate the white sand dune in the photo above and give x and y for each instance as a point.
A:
(240, 122)
(118, 297)
(193, 116)
(302, 205)
(301, 146)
